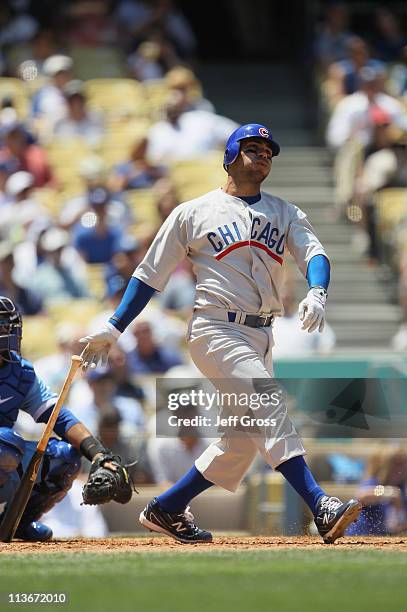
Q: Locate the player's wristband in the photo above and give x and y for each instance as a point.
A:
(90, 447)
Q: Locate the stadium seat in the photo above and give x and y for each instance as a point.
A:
(65, 158)
(38, 337)
(16, 90)
(49, 198)
(391, 207)
(117, 97)
(193, 178)
(120, 139)
(98, 62)
(80, 312)
(96, 280)
(156, 92)
(142, 203)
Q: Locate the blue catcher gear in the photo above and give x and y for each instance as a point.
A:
(250, 130)
(11, 326)
(12, 448)
(60, 466)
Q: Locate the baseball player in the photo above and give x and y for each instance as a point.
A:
(236, 238)
(21, 389)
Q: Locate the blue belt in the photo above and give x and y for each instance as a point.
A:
(252, 320)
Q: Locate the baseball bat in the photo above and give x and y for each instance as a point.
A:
(19, 502)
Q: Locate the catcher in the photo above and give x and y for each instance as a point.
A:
(22, 389)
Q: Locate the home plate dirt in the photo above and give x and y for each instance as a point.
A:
(161, 544)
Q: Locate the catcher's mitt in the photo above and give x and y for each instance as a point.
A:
(105, 484)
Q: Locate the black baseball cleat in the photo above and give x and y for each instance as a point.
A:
(333, 516)
(178, 525)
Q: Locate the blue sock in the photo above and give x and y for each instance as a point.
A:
(177, 498)
(298, 474)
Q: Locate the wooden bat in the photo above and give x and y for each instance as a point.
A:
(18, 504)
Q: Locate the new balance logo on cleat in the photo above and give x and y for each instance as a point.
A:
(333, 517)
(177, 525)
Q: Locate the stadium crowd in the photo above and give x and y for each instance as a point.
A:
(363, 98)
(101, 136)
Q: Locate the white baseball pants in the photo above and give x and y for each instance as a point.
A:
(231, 356)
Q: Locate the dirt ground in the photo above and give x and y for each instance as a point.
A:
(162, 544)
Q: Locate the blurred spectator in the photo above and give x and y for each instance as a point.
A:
(124, 261)
(53, 279)
(388, 38)
(152, 58)
(333, 36)
(97, 393)
(170, 458)
(138, 18)
(127, 385)
(131, 452)
(17, 26)
(149, 357)
(53, 368)
(383, 495)
(182, 79)
(28, 302)
(167, 197)
(179, 293)
(94, 238)
(351, 128)
(92, 170)
(344, 76)
(136, 173)
(355, 116)
(22, 212)
(19, 153)
(49, 103)
(185, 134)
(289, 339)
(397, 83)
(384, 165)
(70, 518)
(89, 23)
(79, 123)
(42, 47)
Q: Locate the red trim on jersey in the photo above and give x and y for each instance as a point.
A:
(260, 245)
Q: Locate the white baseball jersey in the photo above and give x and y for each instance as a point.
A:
(237, 250)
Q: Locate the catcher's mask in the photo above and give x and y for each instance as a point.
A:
(11, 330)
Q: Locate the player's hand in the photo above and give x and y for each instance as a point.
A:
(98, 346)
(312, 310)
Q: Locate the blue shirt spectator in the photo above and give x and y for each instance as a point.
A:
(148, 357)
(94, 238)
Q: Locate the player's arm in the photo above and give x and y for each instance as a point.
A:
(313, 262)
(166, 252)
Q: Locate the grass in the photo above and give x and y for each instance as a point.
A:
(285, 580)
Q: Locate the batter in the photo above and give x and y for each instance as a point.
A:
(236, 238)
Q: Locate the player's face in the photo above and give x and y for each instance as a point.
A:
(256, 157)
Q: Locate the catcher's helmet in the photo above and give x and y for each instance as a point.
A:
(250, 130)
(11, 326)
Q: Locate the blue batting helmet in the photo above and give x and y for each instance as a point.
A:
(10, 329)
(250, 130)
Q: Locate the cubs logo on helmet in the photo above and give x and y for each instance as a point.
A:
(249, 130)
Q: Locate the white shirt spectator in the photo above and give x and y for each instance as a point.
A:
(352, 118)
(90, 129)
(196, 133)
(170, 459)
(291, 341)
(70, 519)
